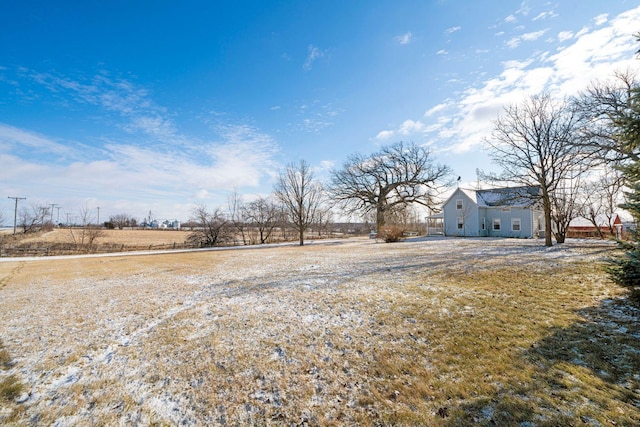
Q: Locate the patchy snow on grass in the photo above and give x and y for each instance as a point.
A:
(341, 332)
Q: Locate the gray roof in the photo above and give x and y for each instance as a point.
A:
(515, 197)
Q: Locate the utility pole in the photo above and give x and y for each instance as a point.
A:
(53, 205)
(15, 214)
(98, 216)
(58, 218)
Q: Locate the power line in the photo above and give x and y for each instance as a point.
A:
(15, 214)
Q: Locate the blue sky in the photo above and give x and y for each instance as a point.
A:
(138, 106)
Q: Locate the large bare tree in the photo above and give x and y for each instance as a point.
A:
(532, 143)
(300, 194)
(394, 177)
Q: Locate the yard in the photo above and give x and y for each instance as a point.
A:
(430, 331)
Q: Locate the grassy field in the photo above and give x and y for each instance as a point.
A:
(424, 332)
(123, 237)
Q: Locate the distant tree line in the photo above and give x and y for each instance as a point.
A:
(383, 188)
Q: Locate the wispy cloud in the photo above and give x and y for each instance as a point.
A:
(515, 41)
(142, 175)
(116, 96)
(313, 54)
(564, 36)
(149, 165)
(549, 14)
(452, 30)
(461, 124)
(315, 116)
(404, 38)
(601, 19)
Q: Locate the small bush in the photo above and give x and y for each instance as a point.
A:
(10, 388)
(5, 357)
(390, 233)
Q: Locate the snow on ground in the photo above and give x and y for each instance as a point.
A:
(213, 337)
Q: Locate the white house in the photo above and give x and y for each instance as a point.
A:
(498, 212)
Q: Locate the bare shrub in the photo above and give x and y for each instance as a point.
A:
(390, 233)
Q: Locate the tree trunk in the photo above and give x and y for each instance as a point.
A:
(380, 217)
(546, 205)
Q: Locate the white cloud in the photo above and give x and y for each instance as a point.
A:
(436, 109)
(385, 135)
(442, 52)
(152, 176)
(115, 96)
(404, 39)
(14, 139)
(590, 54)
(510, 19)
(601, 19)
(534, 35)
(409, 127)
(313, 54)
(452, 30)
(563, 36)
(515, 41)
(545, 15)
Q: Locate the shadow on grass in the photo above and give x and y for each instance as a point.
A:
(585, 374)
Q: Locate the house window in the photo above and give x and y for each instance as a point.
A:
(460, 223)
(496, 224)
(459, 204)
(515, 224)
(484, 225)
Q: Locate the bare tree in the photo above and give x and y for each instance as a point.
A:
(565, 206)
(324, 218)
(237, 216)
(262, 214)
(34, 218)
(601, 199)
(213, 227)
(122, 220)
(300, 195)
(602, 109)
(395, 176)
(87, 234)
(532, 144)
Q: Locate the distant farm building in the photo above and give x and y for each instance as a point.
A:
(605, 226)
(173, 224)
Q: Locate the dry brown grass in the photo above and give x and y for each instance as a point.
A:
(123, 237)
(424, 332)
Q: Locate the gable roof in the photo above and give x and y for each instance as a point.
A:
(516, 197)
